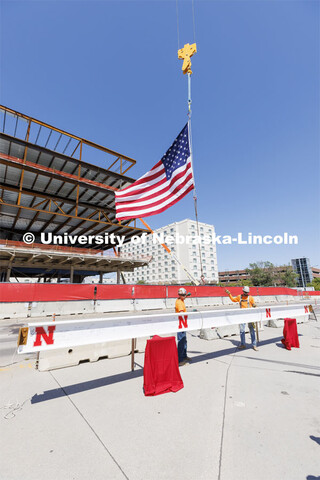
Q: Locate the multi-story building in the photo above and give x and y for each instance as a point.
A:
(315, 272)
(238, 276)
(304, 271)
(233, 276)
(185, 245)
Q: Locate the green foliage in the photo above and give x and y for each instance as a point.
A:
(141, 282)
(261, 274)
(315, 283)
(288, 278)
(265, 274)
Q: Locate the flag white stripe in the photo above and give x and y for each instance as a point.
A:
(157, 188)
(133, 187)
(145, 185)
(159, 197)
(171, 198)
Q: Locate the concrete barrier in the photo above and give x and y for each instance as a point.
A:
(120, 305)
(77, 307)
(68, 357)
(226, 331)
(280, 322)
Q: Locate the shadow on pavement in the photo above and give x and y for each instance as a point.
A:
(260, 344)
(279, 362)
(228, 351)
(84, 386)
(315, 439)
(303, 373)
(121, 377)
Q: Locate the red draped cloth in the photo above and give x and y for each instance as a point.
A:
(161, 369)
(290, 333)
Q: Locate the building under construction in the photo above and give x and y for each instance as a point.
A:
(55, 182)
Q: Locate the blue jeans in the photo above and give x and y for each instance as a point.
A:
(182, 345)
(243, 334)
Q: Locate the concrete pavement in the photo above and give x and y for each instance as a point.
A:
(242, 415)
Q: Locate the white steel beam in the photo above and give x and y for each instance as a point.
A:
(36, 337)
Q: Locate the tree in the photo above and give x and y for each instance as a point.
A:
(288, 277)
(261, 274)
(315, 284)
(265, 274)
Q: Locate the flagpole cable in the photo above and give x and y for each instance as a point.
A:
(194, 24)
(195, 198)
(177, 10)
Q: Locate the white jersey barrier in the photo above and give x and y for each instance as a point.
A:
(36, 337)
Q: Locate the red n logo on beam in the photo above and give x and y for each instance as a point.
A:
(306, 309)
(47, 337)
(268, 312)
(183, 321)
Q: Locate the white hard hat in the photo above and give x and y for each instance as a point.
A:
(182, 291)
(246, 289)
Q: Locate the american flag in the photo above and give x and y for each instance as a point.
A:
(163, 186)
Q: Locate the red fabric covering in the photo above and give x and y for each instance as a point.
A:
(161, 369)
(290, 333)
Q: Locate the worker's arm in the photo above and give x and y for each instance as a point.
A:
(252, 302)
(234, 299)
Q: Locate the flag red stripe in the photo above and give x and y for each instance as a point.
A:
(170, 190)
(144, 198)
(145, 179)
(141, 211)
(131, 196)
(161, 209)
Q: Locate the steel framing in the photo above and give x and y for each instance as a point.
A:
(55, 185)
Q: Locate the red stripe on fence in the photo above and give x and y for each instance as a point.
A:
(39, 292)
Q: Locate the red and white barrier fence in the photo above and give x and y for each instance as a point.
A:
(37, 337)
(55, 292)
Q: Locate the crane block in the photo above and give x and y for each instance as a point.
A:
(185, 54)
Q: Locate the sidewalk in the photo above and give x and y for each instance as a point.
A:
(242, 415)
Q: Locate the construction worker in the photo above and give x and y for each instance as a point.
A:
(182, 336)
(246, 301)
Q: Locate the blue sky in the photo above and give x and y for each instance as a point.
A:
(108, 71)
